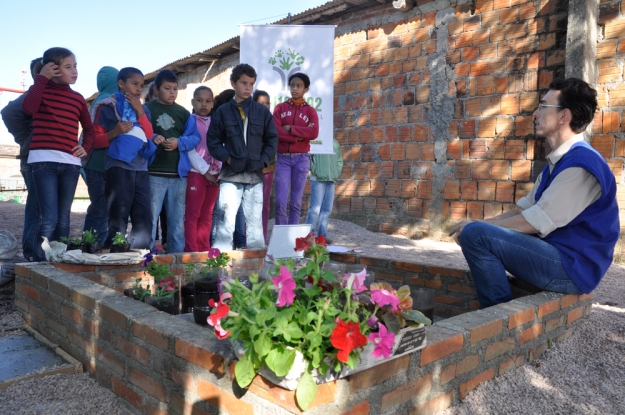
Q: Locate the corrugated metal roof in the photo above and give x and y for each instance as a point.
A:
(323, 13)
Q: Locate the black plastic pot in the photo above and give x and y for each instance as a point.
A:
(128, 292)
(187, 298)
(120, 248)
(93, 248)
(72, 246)
(169, 305)
(204, 290)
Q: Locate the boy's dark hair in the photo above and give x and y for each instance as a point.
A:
(151, 94)
(35, 67)
(165, 76)
(240, 70)
(301, 76)
(201, 88)
(580, 98)
(225, 96)
(258, 93)
(127, 72)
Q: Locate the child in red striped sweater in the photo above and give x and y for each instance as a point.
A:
(54, 150)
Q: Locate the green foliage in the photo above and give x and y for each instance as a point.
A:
(189, 270)
(119, 239)
(64, 239)
(219, 261)
(89, 236)
(159, 271)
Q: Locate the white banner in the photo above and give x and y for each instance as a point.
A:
(278, 51)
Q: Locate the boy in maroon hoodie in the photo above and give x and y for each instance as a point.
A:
(297, 123)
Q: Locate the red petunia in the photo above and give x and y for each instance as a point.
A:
(347, 337)
(168, 284)
(221, 311)
(321, 241)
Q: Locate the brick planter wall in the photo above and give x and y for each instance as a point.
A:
(162, 364)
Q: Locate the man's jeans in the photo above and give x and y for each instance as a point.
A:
(97, 213)
(491, 250)
(55, 186)
(170, 191)
(290, 177)
(32, 218)
(321, 200)
(231, 195)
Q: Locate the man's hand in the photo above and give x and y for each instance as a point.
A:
(287, 127)
(159, 139)
(135, 103)
(170, 144)
(50, 70)
(457, 230)
(211, 179)
(78, 151)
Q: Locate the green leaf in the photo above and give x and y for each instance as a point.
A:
(280, 362)
(391, 322)
(294, 331)
(314, 338)
(352, 360)
(306, 391)
(316, 356)
(328, 276)
(416, 316)
(311, 316)
(244, 372)
(262, 345)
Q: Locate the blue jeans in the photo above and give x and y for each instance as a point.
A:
(321, 201)
(55, 186)
(231, 196)
(32, 218)
(170, 191)
(238, 237)
(97, 213)
(491, 251)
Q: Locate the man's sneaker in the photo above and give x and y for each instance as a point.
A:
(329, 242)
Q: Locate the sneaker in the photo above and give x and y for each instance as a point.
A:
(329, 241)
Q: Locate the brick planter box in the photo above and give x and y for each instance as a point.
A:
(161, 364)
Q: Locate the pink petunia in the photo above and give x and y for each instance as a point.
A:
(383, 342)
(373, 321)
(356, 282)
(213, 253)
(384, 297)
(286, 287)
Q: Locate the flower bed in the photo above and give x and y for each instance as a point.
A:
(158, 363)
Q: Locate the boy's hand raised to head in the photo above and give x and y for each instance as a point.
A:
(135, 103)
(50, 70)
(170, 144)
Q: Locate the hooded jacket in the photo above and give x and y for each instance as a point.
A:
(304, 123)
(326, 167)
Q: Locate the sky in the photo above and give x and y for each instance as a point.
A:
(143, 34)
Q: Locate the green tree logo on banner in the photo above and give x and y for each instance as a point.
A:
(283, 64)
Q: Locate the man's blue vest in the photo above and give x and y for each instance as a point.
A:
(586, 244)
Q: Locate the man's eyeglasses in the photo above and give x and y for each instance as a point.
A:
(541, 106)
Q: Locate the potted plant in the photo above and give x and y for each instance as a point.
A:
(188, 288)
(207, 287)
(137, 291)
(300, 329)
(72, 243)
(90, 242)
(119, 243)
(165, 298)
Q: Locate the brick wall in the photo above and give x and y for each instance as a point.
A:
(160, 364)
(608, 132)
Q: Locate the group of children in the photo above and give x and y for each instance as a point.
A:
(143, 159)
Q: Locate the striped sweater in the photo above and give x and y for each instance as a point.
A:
(56, 110)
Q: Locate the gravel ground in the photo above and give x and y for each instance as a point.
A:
(584, 374)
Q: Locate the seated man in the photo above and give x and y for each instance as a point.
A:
(561, 237)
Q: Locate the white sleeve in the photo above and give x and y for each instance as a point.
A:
(197, 162)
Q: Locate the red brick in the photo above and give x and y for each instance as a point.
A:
(438, 404)
(553, 324)
(132, 350)
(438, 350)
(548, 308)
(199, 356)
(499, 348)
(109, 360)
(574, 315)
(182, 406)
(30, 292)
(150, 335)
(148, 385)
(511, 364)
(467, 387)
(360, 409)
(285, 398)
(530, 333)
(153, 410)
(569, 300)
(126, 393)
(378, 374)
(466, 365)
(73, 268)
(417, 389)
(486, 331)
(520, 318)
(408, 266)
